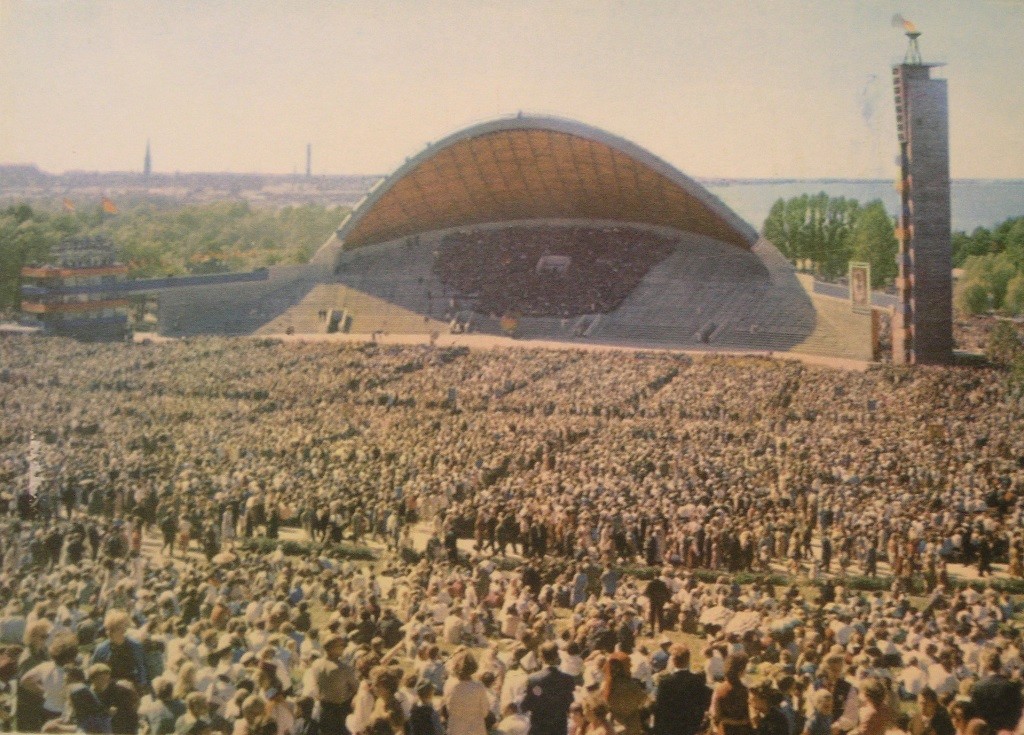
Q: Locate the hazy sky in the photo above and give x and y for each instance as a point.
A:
(745, 88)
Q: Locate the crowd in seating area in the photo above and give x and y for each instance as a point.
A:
(500, 267)
(567, 543)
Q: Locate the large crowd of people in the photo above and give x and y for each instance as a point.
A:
(568, 543)
(548, 270)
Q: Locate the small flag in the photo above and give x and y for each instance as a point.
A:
(108, 206)
(69, 206)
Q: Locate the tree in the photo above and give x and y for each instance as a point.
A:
(1011, 235)
(775, 228)
(978, 242)
(156, 240)
(973, 298)
(1014, 303)
(795, 220)
(1007, 237)
(24, 239)
(839, 216)
(873, 241)
(813, 231)
(1001, 274)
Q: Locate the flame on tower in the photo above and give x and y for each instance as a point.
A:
(913, 55)
(898, 20)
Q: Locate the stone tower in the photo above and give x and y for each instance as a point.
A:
(923, 324)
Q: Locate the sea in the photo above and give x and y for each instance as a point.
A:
(975, 202)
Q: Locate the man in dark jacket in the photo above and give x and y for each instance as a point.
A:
(657, 593)
(682, 697)
(118, 697)
(548, 695)
(996, 699)
(124, 655)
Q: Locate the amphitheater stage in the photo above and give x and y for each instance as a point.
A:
(705, 296)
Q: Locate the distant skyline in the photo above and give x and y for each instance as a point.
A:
(746, 89)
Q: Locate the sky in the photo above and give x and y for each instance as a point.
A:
(717, 88)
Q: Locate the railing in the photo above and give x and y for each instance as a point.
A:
(143, 285)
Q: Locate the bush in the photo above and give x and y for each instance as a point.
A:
(410, 556)
(350, 552)
(261, 545)
(973, 299)
(866, 584)
(1014, 303)
(344, 550)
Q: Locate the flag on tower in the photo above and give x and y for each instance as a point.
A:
(69, 206)
(108, 206)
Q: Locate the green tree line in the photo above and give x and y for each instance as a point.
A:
(159, 241)
(822, 234)
(993, 264)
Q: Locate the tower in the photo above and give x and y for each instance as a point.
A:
(147, 163)
(923, 324)
(309, 160)
(80, 293)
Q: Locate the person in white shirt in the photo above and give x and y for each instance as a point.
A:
(641, 667)
(453, 629)
(571, 662)
(513, 688)
(363, 701)
(845, 696)
(714, 666)
(465, 700)
(514, 722)
(47, 678)
(311, 646)
(912, 679)
(842, 629)
(941, 677)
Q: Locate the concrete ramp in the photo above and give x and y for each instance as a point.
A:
(710, 295)
(236, 308)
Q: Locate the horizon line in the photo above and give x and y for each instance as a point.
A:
(302, 175)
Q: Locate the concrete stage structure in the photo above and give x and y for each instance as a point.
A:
(720, 288)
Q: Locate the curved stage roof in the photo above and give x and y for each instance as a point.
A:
(530, 167)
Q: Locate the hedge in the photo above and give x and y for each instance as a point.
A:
(347, 551)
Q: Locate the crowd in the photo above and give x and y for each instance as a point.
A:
(568, 507)
(505, 270)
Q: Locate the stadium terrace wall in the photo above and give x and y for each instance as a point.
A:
(529, 167)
